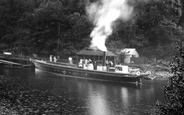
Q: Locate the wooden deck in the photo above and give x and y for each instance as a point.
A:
(9, 62)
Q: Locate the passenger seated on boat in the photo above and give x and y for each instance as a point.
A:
(90, 66)
(85, 66)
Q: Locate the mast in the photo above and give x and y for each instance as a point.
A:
(104, 61)
(58, 39)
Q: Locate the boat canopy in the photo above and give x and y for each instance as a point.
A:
(92, 52)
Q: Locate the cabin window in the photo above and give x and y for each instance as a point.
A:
(119, 68)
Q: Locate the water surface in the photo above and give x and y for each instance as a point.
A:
(87, 97)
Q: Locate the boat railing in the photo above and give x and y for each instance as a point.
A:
(66, 61)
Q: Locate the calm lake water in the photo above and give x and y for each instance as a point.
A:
(93, 97)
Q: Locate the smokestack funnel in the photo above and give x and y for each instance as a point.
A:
(104, 59)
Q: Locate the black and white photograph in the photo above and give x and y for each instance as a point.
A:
(91, 57)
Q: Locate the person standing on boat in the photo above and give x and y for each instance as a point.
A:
(70, 60)
(85, 65)
(81, 63)
(50, 58)
(95, 65)
(55, 59)
(90, 65)
(107, 65)
(89, 61)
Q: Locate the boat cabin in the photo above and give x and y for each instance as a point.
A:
(96, 55)
(121, 69)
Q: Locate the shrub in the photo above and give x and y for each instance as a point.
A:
(174, 91)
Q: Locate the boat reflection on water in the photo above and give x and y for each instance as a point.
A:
(102, 98)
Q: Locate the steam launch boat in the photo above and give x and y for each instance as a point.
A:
(89, 69)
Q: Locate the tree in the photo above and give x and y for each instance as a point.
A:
(10, 17)
(158, 21)
(52, 21)
(174, 91)
(43, 22)
(181, 21)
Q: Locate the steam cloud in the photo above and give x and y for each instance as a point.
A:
(103, 14)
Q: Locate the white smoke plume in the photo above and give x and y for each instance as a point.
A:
(104, 14)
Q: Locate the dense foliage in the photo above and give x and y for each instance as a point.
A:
(39, 25)
(174, 91)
